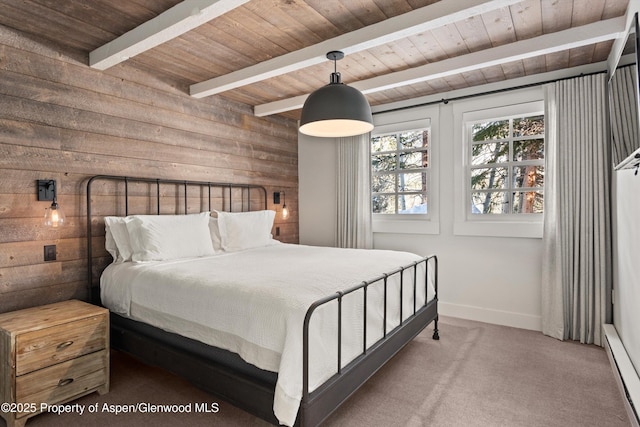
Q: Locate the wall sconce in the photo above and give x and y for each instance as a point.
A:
(276, 201)
(53, 215)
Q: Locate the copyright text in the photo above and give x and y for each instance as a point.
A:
(115, 409)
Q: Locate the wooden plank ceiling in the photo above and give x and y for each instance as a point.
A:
(248, 33)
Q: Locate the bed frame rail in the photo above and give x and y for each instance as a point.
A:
(316, 406)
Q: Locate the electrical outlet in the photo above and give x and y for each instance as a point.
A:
(50, 252)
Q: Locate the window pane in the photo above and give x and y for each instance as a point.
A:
(506, 164)
(528, 126)
(493, 152)
(412, 204)
(384, 143)
(528, 202)
(491, 202)
(532, 149)
(412, 181)
(490, 130)
(528, 176)
(383, 162)
(398, 164)
(385, 183)
(415, 160)
(414, 139)
(384, 204)
(488, 178)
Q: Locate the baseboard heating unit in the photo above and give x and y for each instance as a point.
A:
(626, 376)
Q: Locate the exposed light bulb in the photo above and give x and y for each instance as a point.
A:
(54, 216)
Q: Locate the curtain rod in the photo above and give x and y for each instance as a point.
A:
(491, 92)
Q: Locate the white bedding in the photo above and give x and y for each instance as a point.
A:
(253, 302)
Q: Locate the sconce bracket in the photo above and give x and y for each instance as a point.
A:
(46, 189)
(276, 198)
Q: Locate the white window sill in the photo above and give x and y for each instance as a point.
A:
(499, 229)
(405, 226)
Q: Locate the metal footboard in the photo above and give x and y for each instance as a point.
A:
(320, 403)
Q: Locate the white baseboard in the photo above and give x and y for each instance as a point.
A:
(498, 317)
(626, 376)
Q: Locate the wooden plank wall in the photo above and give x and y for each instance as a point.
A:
(60, 119)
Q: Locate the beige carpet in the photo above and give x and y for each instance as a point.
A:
(476, 375)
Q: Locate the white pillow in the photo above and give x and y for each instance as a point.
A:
(166, 237)
(116, 227)
(110, 243)
(245, 230)
(215, 234)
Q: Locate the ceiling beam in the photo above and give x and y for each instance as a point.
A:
(170, 24)
(420, 20)
(487, 88)
(549, 43)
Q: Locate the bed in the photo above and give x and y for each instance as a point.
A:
(286, 332)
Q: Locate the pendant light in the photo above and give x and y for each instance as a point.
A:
(336, 109)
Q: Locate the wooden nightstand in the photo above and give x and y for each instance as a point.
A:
(51, 354)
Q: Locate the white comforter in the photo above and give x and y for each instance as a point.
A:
(253, 303)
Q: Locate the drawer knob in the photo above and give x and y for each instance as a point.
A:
(65, 381)
(64, 345)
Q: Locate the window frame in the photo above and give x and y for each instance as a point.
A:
(417, 118)
(528, 225)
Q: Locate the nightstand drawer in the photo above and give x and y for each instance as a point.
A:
(48, 346)
(63, 381)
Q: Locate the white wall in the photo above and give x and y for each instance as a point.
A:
(490, 279)
(626, 302)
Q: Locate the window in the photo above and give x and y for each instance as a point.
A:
(498, 169)
(505, 170)
(404, 164)
(400, 170)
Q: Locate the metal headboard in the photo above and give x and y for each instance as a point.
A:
(245, 189)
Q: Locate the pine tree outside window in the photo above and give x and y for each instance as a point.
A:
(400, 172)
(506, 166)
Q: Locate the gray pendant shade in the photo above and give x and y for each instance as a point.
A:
(336, 110)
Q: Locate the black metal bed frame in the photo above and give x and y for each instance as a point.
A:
(253, 393)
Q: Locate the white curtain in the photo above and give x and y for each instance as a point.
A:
(354, 192)
(577, 235)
